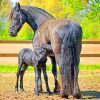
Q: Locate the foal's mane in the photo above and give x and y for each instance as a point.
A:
(31, 8)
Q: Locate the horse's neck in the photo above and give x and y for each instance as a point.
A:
(42, 34)
(36, 17)
(36, 41)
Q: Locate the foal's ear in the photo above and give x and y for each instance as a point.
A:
(17, 6)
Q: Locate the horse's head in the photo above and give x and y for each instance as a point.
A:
(17, 19)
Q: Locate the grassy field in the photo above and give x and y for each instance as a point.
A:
(13, 68)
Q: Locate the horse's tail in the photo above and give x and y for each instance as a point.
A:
(69, 59)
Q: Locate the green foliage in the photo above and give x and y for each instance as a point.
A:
(25, 33)
(91, 30)
(94, 10)
(72, 7)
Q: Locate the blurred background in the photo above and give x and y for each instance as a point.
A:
(85, 12)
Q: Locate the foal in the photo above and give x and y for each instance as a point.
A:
(37, 59)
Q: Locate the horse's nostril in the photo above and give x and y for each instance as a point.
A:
(11, 32)
(11, 28)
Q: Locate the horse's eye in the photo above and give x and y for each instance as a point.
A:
(17, 10)
(14, 17)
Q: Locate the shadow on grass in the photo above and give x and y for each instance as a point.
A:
(91, 94)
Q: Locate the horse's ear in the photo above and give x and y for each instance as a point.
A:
(17, 6)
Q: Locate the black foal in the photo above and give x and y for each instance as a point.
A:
(37, 59)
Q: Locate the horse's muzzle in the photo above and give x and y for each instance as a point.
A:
(12, 32)
(13, 35)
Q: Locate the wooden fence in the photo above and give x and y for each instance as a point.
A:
(90, 53)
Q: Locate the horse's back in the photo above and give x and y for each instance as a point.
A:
(61, 27)
(63, 31)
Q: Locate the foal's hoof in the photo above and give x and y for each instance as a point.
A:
(21, 90)
(16, 89)
(36, 92)
(49, 92)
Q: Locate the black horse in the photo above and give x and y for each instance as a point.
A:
(36, 42)
(65, 37)
(37, 59)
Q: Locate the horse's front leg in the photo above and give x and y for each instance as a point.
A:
(54, 71)
(46, 78)
(36, 80)
(61, 61)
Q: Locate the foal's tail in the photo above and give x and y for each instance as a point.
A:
(69, 59)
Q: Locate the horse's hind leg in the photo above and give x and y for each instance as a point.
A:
(76, 92)
(54, 71)
(46, 78)
(23, 69)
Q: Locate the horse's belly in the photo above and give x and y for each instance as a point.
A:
(27, 59)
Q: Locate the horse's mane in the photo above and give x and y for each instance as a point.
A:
(43, 12)
(28, 8)
(11, 13)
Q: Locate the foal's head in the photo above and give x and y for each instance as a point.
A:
(17, 19)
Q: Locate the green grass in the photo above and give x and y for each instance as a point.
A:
(89, 67)
(13, 68)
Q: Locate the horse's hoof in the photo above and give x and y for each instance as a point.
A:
(40, 90)
(63, 95)
(56, 91)
(77, 96)
(37, 94)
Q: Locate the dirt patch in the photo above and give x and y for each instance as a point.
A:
(88, 81)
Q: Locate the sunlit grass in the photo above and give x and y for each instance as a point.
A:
(13, 68)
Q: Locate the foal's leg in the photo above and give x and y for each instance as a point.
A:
(36, 80)
(18, 73)
(40, 81)
(54, 71)
(23, 69)
(46, 78)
